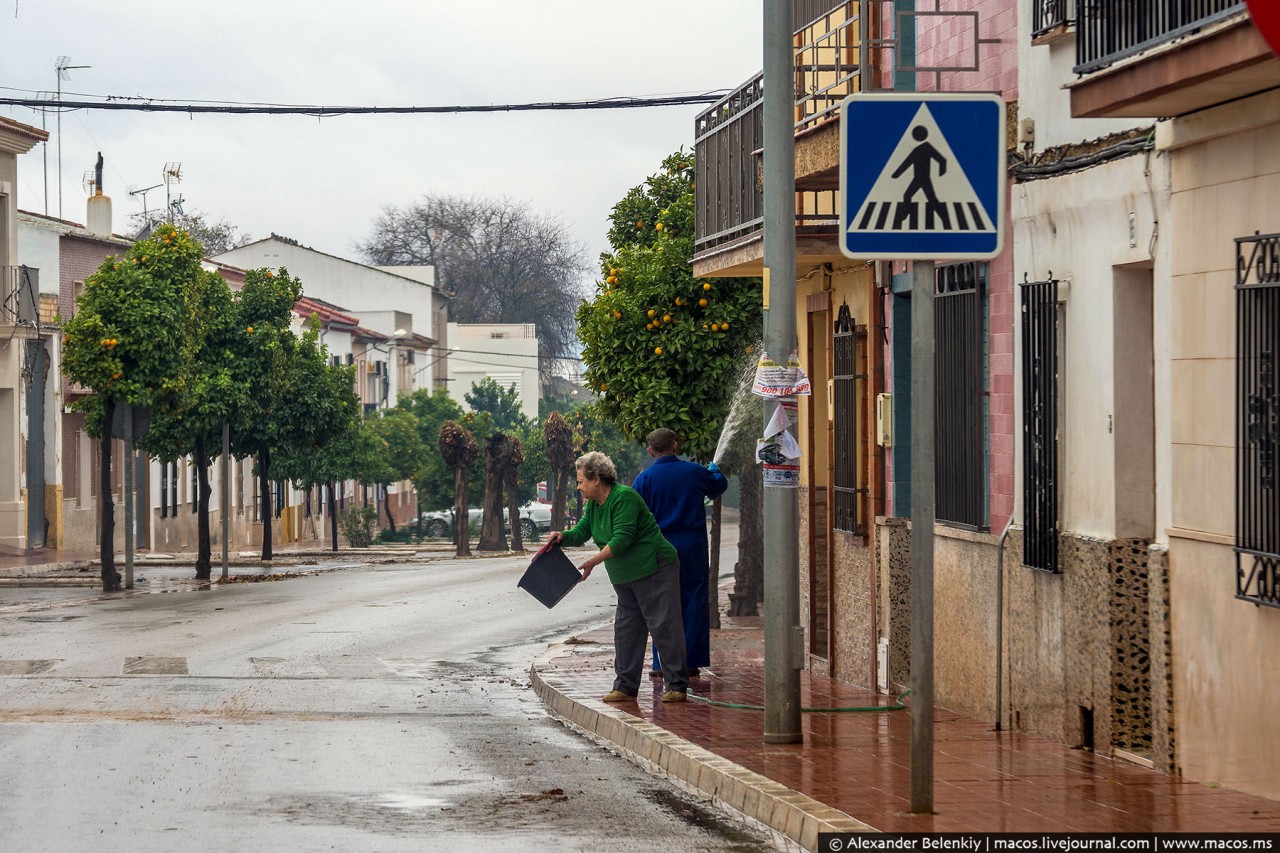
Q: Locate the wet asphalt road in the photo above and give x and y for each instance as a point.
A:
(383, 708)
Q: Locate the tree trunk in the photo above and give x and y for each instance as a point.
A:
(491, 535)
(748, 574)
(461, 519)
(559, 499)
(333, 516)
(111, 580)
(713, 566)
(386, 502)
(264, 484)
(513, 510)
(204, 547)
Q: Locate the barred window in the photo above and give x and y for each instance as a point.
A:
(849, 382)
(1258, 419)
(1040, 424)
(960, 364)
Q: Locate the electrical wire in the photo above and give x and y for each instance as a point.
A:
(137, 104)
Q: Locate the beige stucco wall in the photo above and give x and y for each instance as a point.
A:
(1226, 178)
(853, 586)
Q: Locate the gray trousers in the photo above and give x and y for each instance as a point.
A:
(649, 606)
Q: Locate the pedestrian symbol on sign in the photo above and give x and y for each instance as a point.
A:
(922, 175)
(895, 204)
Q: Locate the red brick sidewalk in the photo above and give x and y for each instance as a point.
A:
(859, 763)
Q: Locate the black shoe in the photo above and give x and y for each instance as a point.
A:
(693, 673)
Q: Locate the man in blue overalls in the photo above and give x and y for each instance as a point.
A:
(674, 491)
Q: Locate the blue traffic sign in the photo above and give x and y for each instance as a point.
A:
(922, 176)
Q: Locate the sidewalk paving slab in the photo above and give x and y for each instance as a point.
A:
(852, 772)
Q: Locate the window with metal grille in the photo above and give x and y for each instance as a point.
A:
(1258, 419)
(849, 381)
(960, 364)
(1040, 425)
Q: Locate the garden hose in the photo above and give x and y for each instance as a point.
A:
(898, 706)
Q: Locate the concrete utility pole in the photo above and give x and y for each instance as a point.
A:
(922, 517)
(783, 636)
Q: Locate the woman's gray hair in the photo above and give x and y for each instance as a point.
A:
(596, 466)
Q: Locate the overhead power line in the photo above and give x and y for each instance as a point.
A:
(134, 104)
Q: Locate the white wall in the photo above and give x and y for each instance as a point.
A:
(1043, 73)
(38, 248)
(1077, 227)
(347, 284)
(506, 352)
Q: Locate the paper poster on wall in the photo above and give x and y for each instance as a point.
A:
(776, 380)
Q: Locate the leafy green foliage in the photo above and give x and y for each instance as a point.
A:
(502, 404)
(434, 478)
(356, 525)
(397, 446)
(125, 341)
(663, 349)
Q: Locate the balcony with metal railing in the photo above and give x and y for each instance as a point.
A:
(729, 142)
(1157, 58)
(1052, 18)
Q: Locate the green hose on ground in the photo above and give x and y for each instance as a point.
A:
(898, 706)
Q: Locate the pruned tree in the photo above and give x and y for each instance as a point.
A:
(560, 456)
(459, 449)
(501, 262)
(123, 345)
(210, 390)
(495, 459)
(347, 451)
(513, 461)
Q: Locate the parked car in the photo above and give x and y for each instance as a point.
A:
(535, 521)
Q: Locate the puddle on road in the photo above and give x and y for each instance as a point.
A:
(410, 801)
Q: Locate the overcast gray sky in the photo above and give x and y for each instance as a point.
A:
(321, 181)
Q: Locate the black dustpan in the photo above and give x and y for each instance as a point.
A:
(550, 576)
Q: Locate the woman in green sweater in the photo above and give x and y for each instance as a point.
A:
(645, 574)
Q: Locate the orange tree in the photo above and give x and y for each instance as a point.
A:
(210, 390)
(343, 454)
(126, 345)
(661, 347)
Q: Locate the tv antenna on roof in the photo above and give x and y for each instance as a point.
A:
(171, 174)
(61, 67)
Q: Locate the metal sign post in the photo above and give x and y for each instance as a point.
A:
(128, 496)
(226, 493)
(922, 177)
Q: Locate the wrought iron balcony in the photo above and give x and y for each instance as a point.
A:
(1111, 30)
(1049, 16)
(729, 136)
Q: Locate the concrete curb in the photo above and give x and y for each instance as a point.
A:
(794, 819)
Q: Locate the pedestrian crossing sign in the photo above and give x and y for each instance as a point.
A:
(922, 176)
